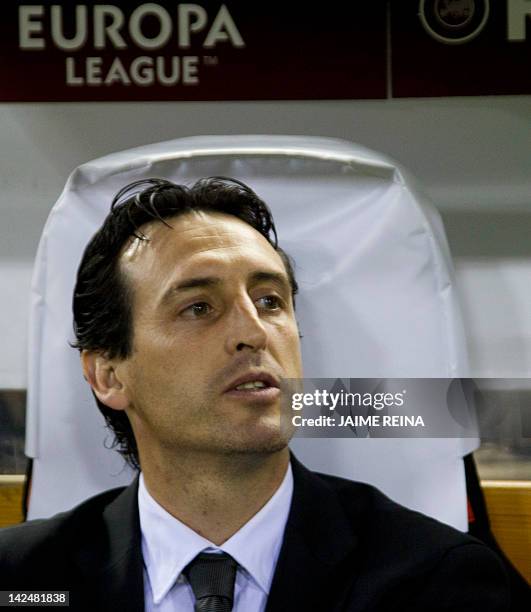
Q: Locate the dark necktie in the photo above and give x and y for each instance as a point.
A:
(211, 577)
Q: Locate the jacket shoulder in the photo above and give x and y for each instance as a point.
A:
(46, 540)
(411, 561)
(393, 526)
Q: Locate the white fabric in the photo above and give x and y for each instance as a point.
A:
(168, 546)
(377, 300)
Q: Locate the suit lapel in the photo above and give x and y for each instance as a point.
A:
(317, 555)
(112, 565)
(315, 568)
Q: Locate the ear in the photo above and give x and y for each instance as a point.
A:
(100, 373)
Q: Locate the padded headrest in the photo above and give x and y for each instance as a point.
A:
(377, 296)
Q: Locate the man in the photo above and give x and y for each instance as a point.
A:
(184, 316)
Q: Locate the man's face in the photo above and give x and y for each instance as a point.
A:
(214, 331)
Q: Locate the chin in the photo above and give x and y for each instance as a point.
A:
(262, 440)
(262, 450)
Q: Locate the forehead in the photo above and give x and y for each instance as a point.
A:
(197, 242)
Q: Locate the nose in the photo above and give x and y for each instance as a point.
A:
(245, 329)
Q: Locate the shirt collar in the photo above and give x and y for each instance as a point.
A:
(168, 545)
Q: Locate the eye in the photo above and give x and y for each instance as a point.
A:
(270, 302)
(197, 310)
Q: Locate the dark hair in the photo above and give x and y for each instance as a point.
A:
(103, 317)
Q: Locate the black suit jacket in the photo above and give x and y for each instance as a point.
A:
(346, 547)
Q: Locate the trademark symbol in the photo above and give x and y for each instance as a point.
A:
(210, 60)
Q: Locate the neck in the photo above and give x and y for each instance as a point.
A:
(215, 495)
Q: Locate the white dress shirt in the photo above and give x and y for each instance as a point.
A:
(168, 545)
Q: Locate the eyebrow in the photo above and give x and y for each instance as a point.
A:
(203, 282)
(276, 278)
(200, 281)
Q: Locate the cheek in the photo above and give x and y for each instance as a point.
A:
(288, 347)
(154, 366)
(182, 362)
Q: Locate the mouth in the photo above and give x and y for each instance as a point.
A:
(254, 386)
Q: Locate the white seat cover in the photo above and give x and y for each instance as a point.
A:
(377, 300)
